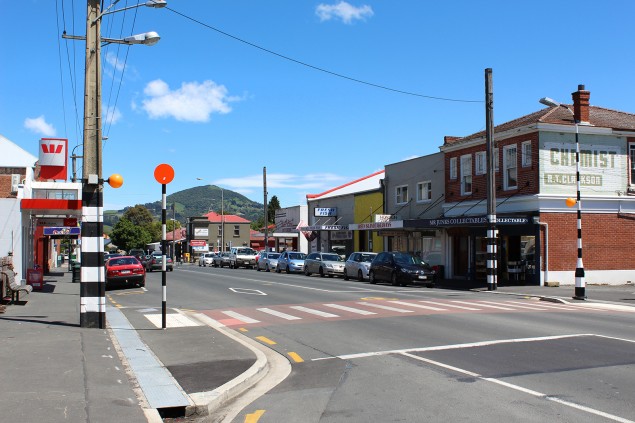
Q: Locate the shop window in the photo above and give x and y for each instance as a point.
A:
(631, 156)
(510, 165)
(424, 191)
(466, 174)
(220, 230)
(401, 194)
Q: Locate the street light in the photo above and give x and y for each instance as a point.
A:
(222, 215)
(580, 286)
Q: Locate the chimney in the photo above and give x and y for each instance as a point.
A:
(448, 139)
(581, 104)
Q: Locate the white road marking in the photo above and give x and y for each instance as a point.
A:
(171, 320)
(383, 307)
(418, 306)
(247, 291)
(480, 304)
(240, 317)
(451, 305)
(313, 311)
(278, 314)
(524, 390)
(523, 305)
(351, 309)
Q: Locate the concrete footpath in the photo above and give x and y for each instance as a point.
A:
(51, 370)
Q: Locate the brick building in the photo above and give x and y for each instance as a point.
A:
(535, 173)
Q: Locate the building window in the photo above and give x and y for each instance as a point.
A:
(401, 194)
(481, 163)
(466, 174)
(424, 191)
(526, 153)
(496, 160)
(510, 165)
(453, 168)
(236, 230)
(631, 156)
(220, 230)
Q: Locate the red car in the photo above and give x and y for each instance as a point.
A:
(125, 270)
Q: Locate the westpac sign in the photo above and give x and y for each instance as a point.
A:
(53, 158)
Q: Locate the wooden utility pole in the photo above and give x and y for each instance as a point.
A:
(492, 233)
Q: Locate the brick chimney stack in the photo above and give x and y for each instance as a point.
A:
(581, 104)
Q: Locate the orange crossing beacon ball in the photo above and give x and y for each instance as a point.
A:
(115, 180)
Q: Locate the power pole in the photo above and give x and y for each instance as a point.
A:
(93, 284)
(492, 233)
(264, 184)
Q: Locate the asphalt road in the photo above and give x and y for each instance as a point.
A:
(378, 353)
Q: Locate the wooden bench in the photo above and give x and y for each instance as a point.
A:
(8, 280)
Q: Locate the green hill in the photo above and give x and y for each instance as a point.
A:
(197, 201)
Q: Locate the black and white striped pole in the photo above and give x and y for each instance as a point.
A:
(580, 284)
(164, 174)
(492, 233)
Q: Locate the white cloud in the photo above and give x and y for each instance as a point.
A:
(317, 181)
(344, 11)
(193, 102)
(39, 126)
(115, 61)
(112, 115)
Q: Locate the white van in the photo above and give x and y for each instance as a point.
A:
(242, 256)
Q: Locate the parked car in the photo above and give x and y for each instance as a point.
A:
(357, 265)
(221, 260)
(330, 264)
(242, 256)
(400, 269)
(155, 262)
(291, 261)
(126, 270)
(111, 255)
(206, 259)
(267, 261)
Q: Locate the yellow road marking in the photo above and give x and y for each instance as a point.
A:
(295, 357)
(254, 417)
(265, 340)
(243, 329)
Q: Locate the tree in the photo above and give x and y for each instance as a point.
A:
(139, 215)
(272, 208)
(126, 235)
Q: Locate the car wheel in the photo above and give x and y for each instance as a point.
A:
(199, 264)
(431, 285)
(371, 277)
(360, 276)
(171, 269)
(321, 272)
(257, 268)
(393, 279)
(345, 275)
(288, 270)
(306, 271)
(277, 269)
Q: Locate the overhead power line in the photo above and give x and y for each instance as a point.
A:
(299, 62)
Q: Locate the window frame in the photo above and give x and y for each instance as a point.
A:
(428, 191)
(400, 193)
(236, 230)
(496, 160)
(506, 165)
(466, 174)
(526, 154)
(631, 158)
(480, 164)
(453, 167)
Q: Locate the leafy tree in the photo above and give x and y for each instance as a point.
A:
(272, 208)
(139, 215)
(126, 235)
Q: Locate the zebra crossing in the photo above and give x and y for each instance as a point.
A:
(376, 308)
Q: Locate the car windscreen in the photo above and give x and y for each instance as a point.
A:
(123, 261)
(246, 251)
(331, 257)
(368, 257)
(297, 256)
(409, 259)
(273, 255)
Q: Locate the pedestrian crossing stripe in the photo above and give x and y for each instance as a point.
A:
(172, 320)
(349, 310)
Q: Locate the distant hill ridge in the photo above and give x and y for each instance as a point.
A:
(197, 201)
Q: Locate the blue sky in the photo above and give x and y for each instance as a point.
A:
(296, 86)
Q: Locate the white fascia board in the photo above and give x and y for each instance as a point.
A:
(528, 129)
(582, 129)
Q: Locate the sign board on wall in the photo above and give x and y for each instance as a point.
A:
(325, 211)
(204, 232)
(603, 168)
(341, 235)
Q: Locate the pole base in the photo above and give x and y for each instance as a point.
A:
(580, 293)
(491, 287)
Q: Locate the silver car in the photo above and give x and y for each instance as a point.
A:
(206, 259)
(324, 264)
(221, 260)
(267, 261)
(358, 265)
(290, 261)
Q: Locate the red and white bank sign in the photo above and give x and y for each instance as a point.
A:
(53, 158)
